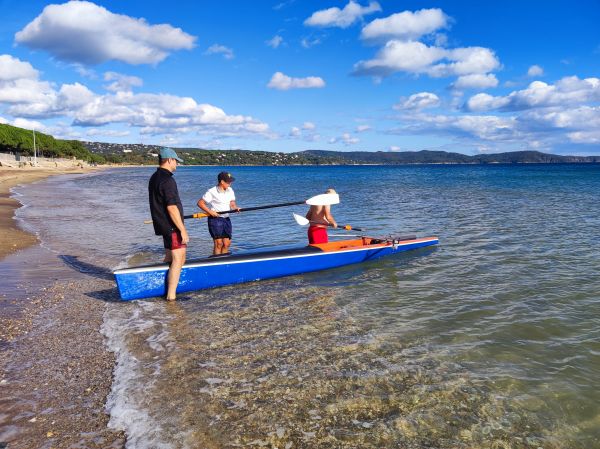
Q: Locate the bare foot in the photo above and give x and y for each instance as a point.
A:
(171, 299)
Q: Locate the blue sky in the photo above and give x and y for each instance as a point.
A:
(469, 77)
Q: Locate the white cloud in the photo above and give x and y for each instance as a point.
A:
(398, 56)
(395, 148)
(84, 32)
(582, 119)
(406, 25)
(416, 57)
(12, 69)
(121, 82)
(539, 128)
(307, 42)
(419, 101)
(216, 49)
(85, 71)
(480, 127)
(362, 128)
(306, 132)
(343, 18)
(403, 52)
(346, 139)
(29, 124)
(535, 70)
(485, 102)
(153, 113)
(283, 82)
(567, 91)
(466, 61)
(275, 42)
(20, 84)
(476, 81)
(106, 132)
(588, 137)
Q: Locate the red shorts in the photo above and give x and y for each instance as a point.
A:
(317, 234)
(173, 240)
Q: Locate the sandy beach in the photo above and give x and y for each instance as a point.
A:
(55, 371)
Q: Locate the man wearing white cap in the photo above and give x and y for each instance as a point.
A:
(167, 216)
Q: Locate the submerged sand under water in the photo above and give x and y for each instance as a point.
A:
(290, 368)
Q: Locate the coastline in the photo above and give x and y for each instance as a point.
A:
(13, 238)
(55, 369)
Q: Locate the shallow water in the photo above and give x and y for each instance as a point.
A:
(490, 340)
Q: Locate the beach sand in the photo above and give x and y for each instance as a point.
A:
(55, 370)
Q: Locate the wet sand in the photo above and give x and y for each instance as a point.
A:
(55, 370)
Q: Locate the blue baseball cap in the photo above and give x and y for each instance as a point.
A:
(169, 153)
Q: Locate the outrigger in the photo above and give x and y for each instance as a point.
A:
(150, 281)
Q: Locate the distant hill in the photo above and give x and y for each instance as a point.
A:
(13, 139)
(147, 154)
(443, 157)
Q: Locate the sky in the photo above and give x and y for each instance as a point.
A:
(294, 75)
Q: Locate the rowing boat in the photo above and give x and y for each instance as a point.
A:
(149, 281)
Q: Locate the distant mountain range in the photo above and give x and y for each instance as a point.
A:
(443, 157)
(196, 156)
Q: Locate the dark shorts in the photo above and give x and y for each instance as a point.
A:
(173, 240)
(219, 227)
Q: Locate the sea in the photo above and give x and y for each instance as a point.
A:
(491, 339)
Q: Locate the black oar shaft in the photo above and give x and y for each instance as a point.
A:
(247, 209)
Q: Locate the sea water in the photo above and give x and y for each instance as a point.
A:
(489, 340)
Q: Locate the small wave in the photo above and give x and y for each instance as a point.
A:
(127, 401)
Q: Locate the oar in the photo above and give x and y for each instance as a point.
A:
(303, 221)
(325, 199)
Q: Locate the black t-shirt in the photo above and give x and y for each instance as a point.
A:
(162, 192)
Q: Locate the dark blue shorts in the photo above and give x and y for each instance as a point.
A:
(219, 227)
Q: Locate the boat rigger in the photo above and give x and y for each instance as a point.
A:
(150, 281)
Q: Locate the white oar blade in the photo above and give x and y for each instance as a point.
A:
(325, 199)
(302, 221)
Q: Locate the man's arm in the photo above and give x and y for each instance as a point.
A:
(173, 211)
(202, 205)
(329, 217)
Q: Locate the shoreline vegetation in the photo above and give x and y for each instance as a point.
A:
(19, 141)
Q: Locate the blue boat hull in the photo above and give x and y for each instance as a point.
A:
(150, 281)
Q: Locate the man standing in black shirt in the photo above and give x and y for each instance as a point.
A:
(167, 216)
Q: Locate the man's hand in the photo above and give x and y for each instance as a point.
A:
(185, 238)
(213, 213)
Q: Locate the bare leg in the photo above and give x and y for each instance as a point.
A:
(178, 256)
(168, 256)
(218, 246)
(225, 248)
